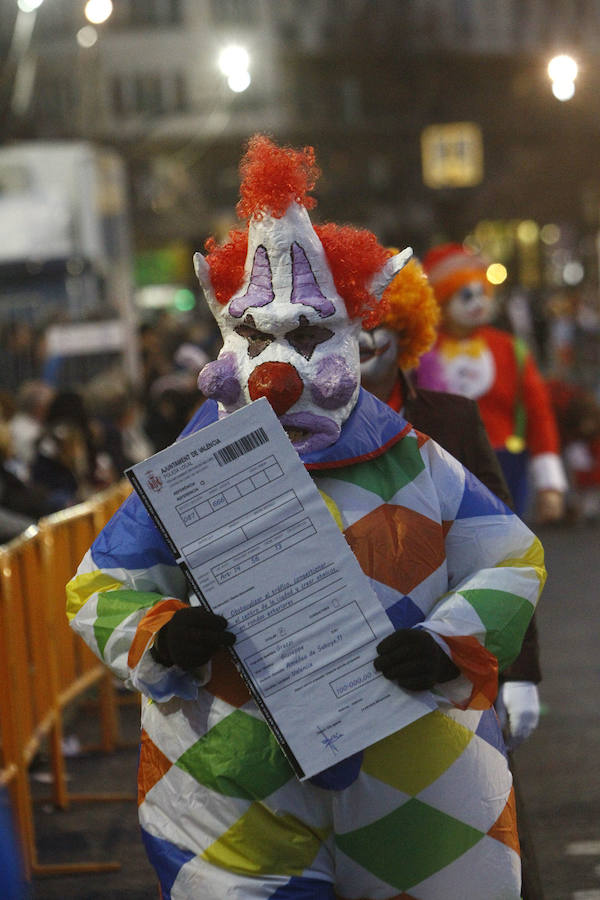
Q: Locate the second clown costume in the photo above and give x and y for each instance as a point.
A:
(475, 359)
(428, 812)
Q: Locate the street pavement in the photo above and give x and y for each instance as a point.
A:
(557, 769)
(95, 831)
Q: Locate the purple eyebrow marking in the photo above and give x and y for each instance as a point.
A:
(260, 289)
(305, 289)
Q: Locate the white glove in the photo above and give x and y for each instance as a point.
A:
(518, 708)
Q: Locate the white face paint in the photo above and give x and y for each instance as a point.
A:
(286, 332)
(287, 336)
(469, 307)
(378, 354)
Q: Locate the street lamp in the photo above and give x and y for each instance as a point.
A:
(98, 11)
(233, 62)
(496, 273)
(25, 61)
(562, 71)
(87, 36)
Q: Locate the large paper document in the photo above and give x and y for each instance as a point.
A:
(259, 546)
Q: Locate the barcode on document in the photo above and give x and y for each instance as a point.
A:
(243, 445)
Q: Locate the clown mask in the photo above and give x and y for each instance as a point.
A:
(408, 329)
(378, 359)
(288, 333)
(468, 308)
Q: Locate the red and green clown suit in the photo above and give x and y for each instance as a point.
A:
(427, 813)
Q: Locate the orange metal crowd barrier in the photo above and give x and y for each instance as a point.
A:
(45, 666)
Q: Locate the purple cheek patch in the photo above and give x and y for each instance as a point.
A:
(305, 289)
(333, 384)
(219, 381)
(260, 289)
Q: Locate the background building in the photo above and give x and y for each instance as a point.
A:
(363, 81)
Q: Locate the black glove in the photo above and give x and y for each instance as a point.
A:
(190, 638)
(412, 659)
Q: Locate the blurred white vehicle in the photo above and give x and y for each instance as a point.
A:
(66, 291)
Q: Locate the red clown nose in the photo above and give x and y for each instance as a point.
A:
(279, 382)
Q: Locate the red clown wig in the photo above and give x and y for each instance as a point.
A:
(273, 178)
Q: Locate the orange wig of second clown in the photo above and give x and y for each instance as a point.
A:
(413, 312)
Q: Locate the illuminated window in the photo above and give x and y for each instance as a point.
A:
(452, 155)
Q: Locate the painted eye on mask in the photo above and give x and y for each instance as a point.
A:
(470, 293)
(257, 340)
(306, 338)
(467, 294)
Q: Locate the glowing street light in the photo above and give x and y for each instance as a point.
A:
(87, 36)
(239, 81)
(562, 71)
(496, 273)
(233, 62)
(232, 59)
(98, 11)
(563, 90)
(29, 5)
(562, 68)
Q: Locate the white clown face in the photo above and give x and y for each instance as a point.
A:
(286, 332)
(469, 307)
(378, 355)
(287, 335)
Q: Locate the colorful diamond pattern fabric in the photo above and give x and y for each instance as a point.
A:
(384, 543)
(427, 814)
(419, 743)
(272, 841)
(215, 760)
(388, 473)
(421, 826)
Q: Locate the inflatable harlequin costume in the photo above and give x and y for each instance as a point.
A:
(427, 813)
(388, 355)
(494, 368)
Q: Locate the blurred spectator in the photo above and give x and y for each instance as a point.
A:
(32, 402)
(190, 358)
(171, 404)
(117, 414)
(153, 352)
(69, 463)
(20, 354)
(21, 504)
(587, 343)
(560, 312)
(204, 334)
(161, 339)
(61, 465)
(578, 416)
(175, 396)
(174, 349)
(8, 406)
